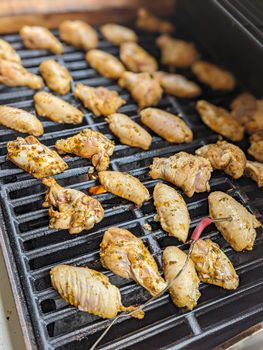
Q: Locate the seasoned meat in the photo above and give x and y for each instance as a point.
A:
(256, 147)
(172, 211)
(125, 186)
(240, 233)
(56, 109)
(184, 291)
(254, 170)
(220, 120)
(8, 53)
(88, 144)
(167, 125)
(147, 21)
(57, 77)
(191, 173)
(37, 159)
(129, 132)
(117, 34)
(126, 255)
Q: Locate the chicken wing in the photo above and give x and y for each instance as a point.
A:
(225, 156)
(126, 255)
(117, 34)
(213, 266)
(184, 291)
(240, 233)
(56, 109)
(20, 120)
(167, 125)
(129, 132)
(88, 144)
(191, 173)
(147, 21)
(256, 147)
(34, 157)
(220, 120)
(254, 170)
(57, 77)
(125, 186)
(8, 53)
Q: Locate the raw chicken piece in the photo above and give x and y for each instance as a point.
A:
(213, 76)
(36, 37)
(125, 186)
(220, 120)
(106, 64)
(136, 59)
(88, 144)
(147, 21)
(117, 34)
(129, 132)
(256, 147)
(191, 173)
(172, 211)
(78, 34)
(101, 101)
(184, 291)
(71, 209)
(56, 109)
(37, 159)
(57, 77)
(254, 170)
(213, 266)
(167, 125)
(126, 255)
(240, 233)
(8, 53)
(225, 156)
(89, 291)
(145, 90)
(20, 120)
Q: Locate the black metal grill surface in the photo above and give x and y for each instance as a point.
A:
(33, 248)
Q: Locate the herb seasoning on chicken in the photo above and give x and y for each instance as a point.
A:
(118, 34)
(256, 147)
(8, 53)
(57, 77)
(254, 170)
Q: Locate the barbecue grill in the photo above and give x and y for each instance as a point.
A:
(31, 248)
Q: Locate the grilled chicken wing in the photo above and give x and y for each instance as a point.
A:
(167, 125)
(147, 21)
(117, 34)
(8, 53)
(220, 120)
(256, 147)
(191, 173)
(126, 255)
(71, 209)
(225, 156)
(145, 90)
(171, 211)
(37, 159)
(78, 34)
(40, 38)
(88, 144)
(20, 120)
(125, 186)
(57, 77)
(129, 132)
(184, 291)
(213, 266)
(56, 109)
(240, 233)
(254, 170)
(101, 101)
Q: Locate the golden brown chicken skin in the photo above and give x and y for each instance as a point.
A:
(57, 77)
(8, 53)
(254, 170)
(256, 147)
(117, 34)
(149, 22)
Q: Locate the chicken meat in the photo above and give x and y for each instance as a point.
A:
(8, 53)
(256, 147)
(254, 170)
(117, 34)
(150, 23)
(57, 77)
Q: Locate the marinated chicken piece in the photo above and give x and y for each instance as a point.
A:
(213, 76)
(89, 291)
(57, 77)
(78, 34)
(147, 21)
(117, 34)
(191, 173)
(71, 209)
(256, 147)
(13, 74)
(167, 125)
(106, 64)
(254, 170)
(8, 53)
(225, 156)
(56, 109)
(240, 233)
(126, 256)
(124, 186)
(145, 90)
(175, 52)
(213, 266)
(88, 144)
(37, 159)
(129, 132)
(101, 101)
(20, 120)
(172, 211)
(136, 59)
(184, 291)
(36, 37)
(220, 120)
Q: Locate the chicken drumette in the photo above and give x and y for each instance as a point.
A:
(254, 170)
(8, 53)
(256, 147)
(149, 22)
(57, 77)
(118, 34)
